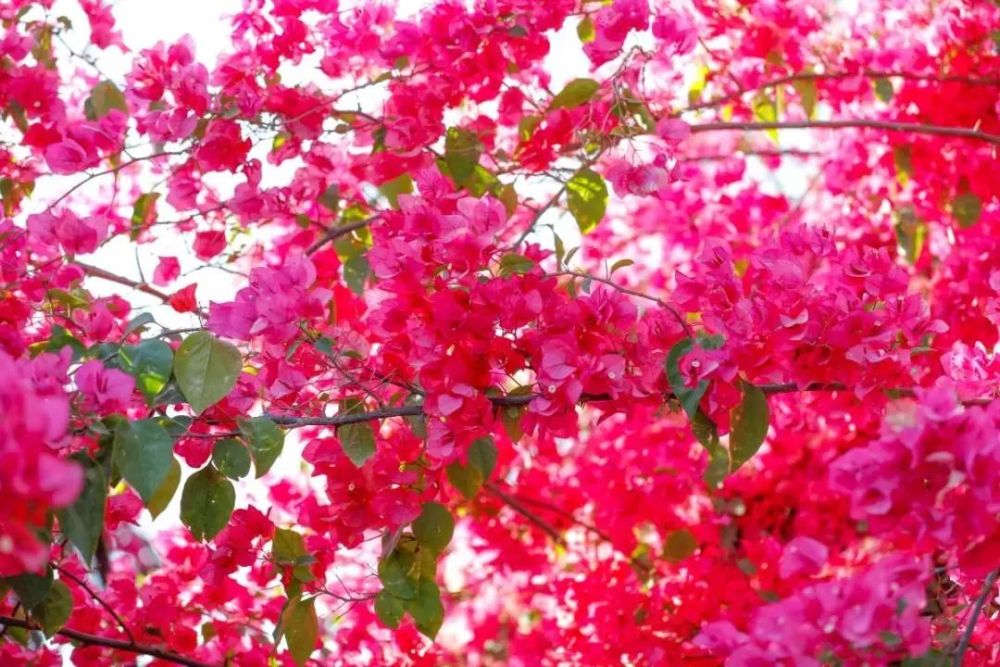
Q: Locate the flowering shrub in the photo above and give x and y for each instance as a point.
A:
(502, 333)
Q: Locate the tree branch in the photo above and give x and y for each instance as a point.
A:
(524, 399)
(630, 292)
(814, 76)
(336, 232)
(515, 505)
(139, 286)
(83, 584)
(112, 170)
(565, 514)
(118, 644)
(970, 626)
(888, 125)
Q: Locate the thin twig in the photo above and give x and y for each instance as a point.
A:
(888, 125)
(83, 584)
(565, 514)
(336, 232)
(515, 505)
(630, 292)
(118, 644)
(145, 288)
(552, 201)
(112, 170)
(814, 76)
(970, 626)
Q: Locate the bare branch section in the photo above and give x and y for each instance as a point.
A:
(970, 627)
(835, 76)
(525, 399)
(107, 642)
(97, 272)
(887, 125)
(335, 233)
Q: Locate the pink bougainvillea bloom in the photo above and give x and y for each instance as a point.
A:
(803, 556)
(167, 271)
(210, 243)
(105, 390)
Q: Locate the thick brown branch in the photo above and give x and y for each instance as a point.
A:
(887, 125)
(107, 642)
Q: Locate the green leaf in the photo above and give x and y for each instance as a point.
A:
(266, 441)
(483, 455)
(138, 322)
(883, 89)
(680, 544)
(54, 610)
(330, 198)
(104, 97)
(426, 608)
(144, 453)
(207, 503)
(508, 197)
(143, 212)
(301, 629)
(482, 181)
(585, 30)
(688, 397)
(389, 609)
(231, 457)
(806, 88)
(749, 421)
(434, 527)
(511, 419)
(206, 369)
(576, 92)
(60, 338)
(163, 495)
(83, 521)
(911, 232)
(512, 263)
(462, 149)
(902, 158)
(31, 589)
(765, 110)
(397, 574)
(707, 433)
(527, 125)
(620, 264)
(401, 185)
(587, 198)
(358, 440)
(356, 272)
(967, 208)
(932, 658)
(469, 478)
(289, 548)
